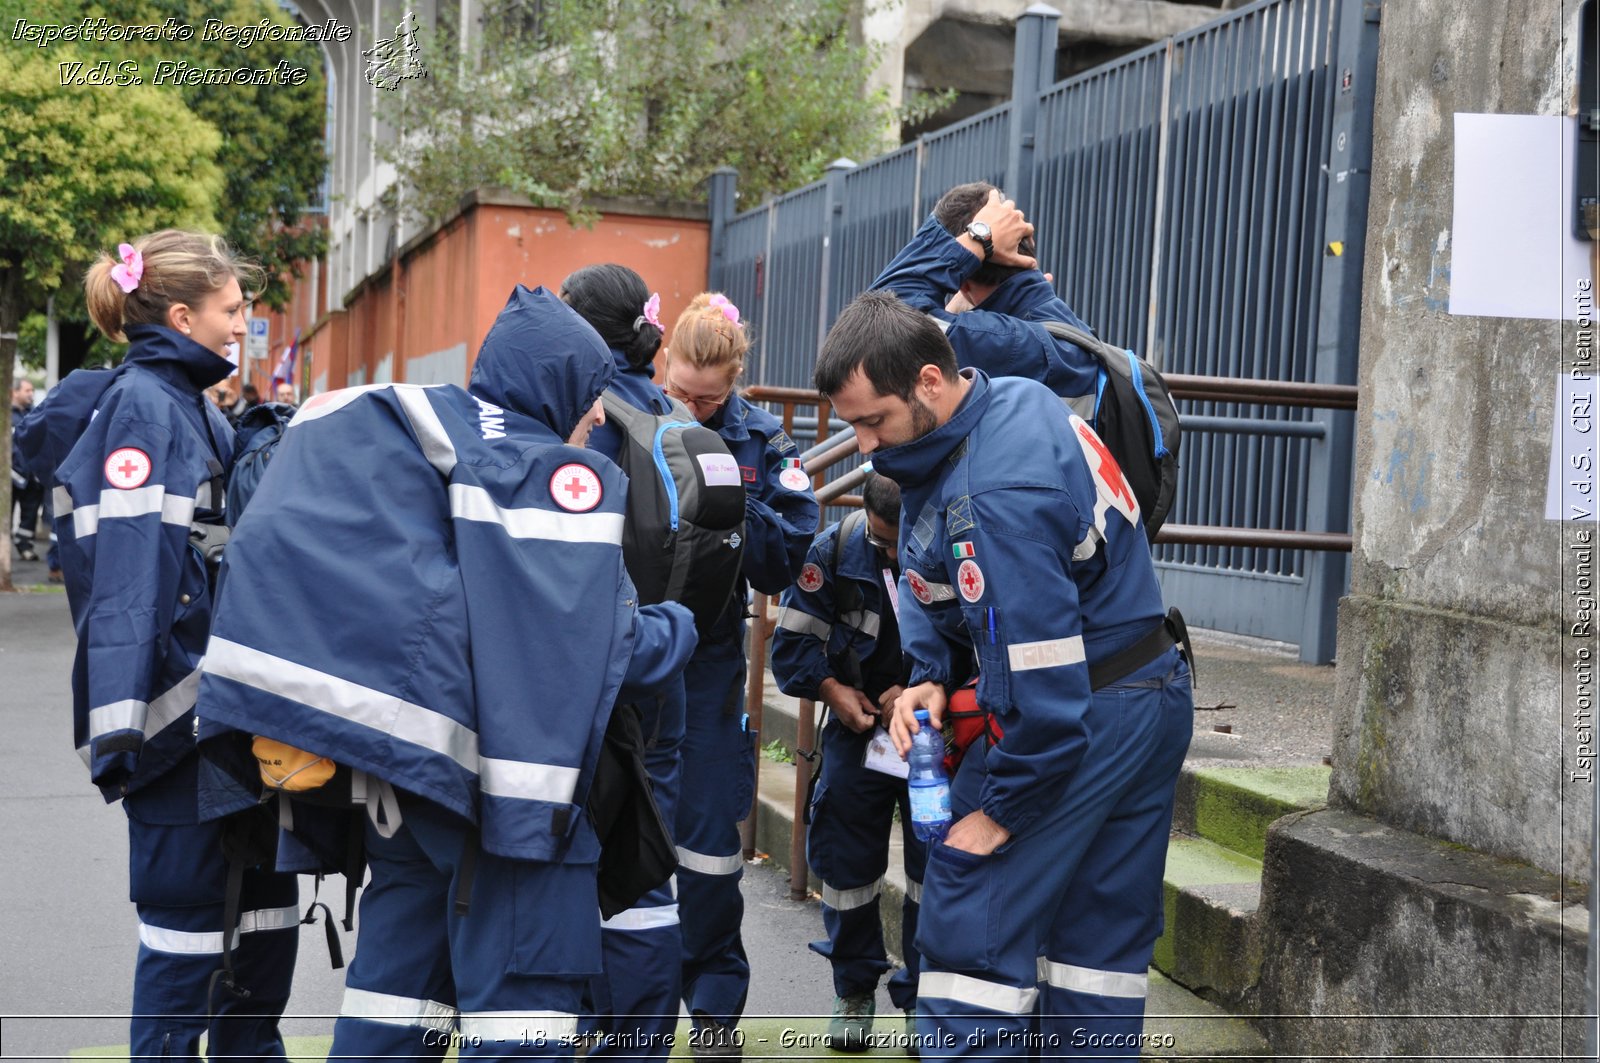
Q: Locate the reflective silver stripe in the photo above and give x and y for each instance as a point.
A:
(1052, 653)
(152, 719)
(914, 891)
(864, 621)
(528, 782)
(127, 715)
(642, 918)
(269, 919)
(139, 502)
(803, 623)
(436, 445)
(331, 402)
(381, 712)
(397, 1011)
(61, 502)
(940, 592)
(1089, 980)
(844, 900)
(473, 503)
(690, 860)
(516, 1026)
(975, 992)
(201, 942)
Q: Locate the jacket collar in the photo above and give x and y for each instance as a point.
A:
(919, 461)
(729, 422)
(1022, 295)
(175, 358)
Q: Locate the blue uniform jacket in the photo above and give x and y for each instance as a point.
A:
(780, 520)
(1002, 337)
(428, 586)
(817, 634)
(135, 456)
(1021, 544)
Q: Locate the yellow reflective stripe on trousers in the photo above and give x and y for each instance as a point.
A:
(515, 1027)
(976, 993)
(1092, 981)
(844, 900)
(705, 864)
(397, 1011)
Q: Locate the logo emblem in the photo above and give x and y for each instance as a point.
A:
(127, 468)
(919, 587)
(734, 540)
(970, 580)
(794, 479)
(810, 578)
(576, 488)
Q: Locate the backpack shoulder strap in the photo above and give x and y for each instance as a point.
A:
(641, 424)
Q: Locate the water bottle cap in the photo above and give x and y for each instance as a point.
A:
(921, 715)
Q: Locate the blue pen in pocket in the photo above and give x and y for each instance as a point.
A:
(991, 625)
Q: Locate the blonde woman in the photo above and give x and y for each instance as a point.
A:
(137, 458)
(704, 361)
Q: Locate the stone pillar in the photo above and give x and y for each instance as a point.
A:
(1448, 875)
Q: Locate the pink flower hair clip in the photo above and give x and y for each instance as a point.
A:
(130, 270)
(729, 311)
(652, 312)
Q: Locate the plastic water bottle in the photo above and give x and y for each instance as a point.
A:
(930, 787)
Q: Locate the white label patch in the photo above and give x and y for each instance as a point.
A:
(720, 470)
(970, 580)
(576, 488)
(794, 479)
(919, 587)
(810, 578)
(127, 468)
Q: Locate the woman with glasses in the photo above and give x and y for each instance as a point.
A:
(704, 361)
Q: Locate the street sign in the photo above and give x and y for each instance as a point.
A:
(256, 341)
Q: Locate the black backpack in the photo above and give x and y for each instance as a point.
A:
(255, 437)
(1136, 419)
(683, 535)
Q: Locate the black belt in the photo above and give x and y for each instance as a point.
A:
(1170, 632)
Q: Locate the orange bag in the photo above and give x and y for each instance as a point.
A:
(966, 723)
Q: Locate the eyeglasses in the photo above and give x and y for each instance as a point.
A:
(700, 402)
(873, 540)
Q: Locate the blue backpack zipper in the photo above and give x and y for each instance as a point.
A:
(666, 473)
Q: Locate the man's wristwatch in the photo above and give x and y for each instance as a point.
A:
(981, 232)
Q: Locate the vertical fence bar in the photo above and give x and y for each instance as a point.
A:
(1339, 320)
(1033, 68)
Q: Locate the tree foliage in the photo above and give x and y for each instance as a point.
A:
(567, 100)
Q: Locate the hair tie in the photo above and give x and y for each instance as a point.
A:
(130, 270)
(729, 311)
(652, 313)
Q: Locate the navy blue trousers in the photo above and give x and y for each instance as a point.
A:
(1043, 946)
(847, 846)
(504, 981)
(177, 878)
(635, 1003)
(719, 772)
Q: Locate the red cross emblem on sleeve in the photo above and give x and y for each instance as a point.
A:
(810, 578)
(1108, 473)
(970, 579)
(576, 488)
(127, 468)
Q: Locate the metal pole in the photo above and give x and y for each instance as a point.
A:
(755, 682)
(1033, 68)
(721, 197)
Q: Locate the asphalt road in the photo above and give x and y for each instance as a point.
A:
(68, 933)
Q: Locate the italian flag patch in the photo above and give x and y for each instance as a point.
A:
(961, 550)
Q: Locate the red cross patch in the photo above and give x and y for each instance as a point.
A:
(810, 578)
(794, 479)
(970, 579)
(576, 488)
(127, 468)
(919, 586)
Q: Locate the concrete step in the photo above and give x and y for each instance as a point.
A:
(1210, 942)
(1234, 806)
(1178, 1021)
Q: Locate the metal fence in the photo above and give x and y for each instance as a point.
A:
(1201, 201)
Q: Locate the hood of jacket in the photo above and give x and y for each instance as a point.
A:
(542, 360)
(175, 358)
